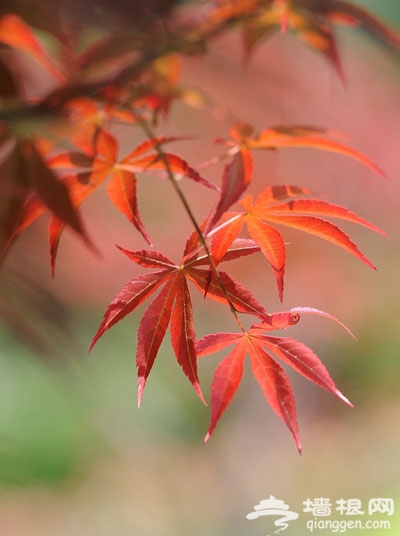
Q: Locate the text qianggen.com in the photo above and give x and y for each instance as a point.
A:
(343, 525)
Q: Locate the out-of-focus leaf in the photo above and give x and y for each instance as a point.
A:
(8, 84)
(14, 191)
(15, 33)
(312, 20)
(294, 136)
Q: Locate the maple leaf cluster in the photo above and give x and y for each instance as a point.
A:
(57, 147)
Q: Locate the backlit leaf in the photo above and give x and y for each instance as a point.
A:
(183, 336)
(276, 388)
(303, 360)
(149, 258)
(224, 384)
(323, 229)
(242, 299)
(151, 332)
(272, 245)
(128, 299)
(122, 192)
(235, 179)
(273, 380)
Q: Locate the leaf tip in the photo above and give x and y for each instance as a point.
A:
(196, 385)
(296, 437)
(92, 344)
(207, 437)
(96, 337)
(342, 397)
(140, 388)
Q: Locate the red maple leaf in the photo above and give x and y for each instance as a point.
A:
(281, 205)
(264, 352)
(91, 170)
(173, 305)
(313, 22)
(15, 33)
(239, 172)
(244, 137)
(31, 187)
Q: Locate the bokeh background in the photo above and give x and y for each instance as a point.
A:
(77, 458)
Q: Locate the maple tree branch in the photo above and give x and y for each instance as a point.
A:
(149, 133)
(189, 38)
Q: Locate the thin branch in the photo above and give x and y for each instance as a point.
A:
(149, 133)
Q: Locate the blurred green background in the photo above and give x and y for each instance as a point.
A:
(77, 458)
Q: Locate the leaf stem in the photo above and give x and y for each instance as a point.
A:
(149, 133)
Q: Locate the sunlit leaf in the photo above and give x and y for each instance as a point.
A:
(263, 351)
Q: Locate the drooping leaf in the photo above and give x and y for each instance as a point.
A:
(151, 332)
(173, 305)
(51, 191)
(56, 228)
(92, 168)
(128, 299)
(288, 14)
(100, 161)
(276, 388)
(224, 384)
(348, 13)
(14, 192)
(37, 189)
(313, 21)
(303, 360)
(236, 177)
(122, 192)
(263, 351)
(30, 211)
(183, 335)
